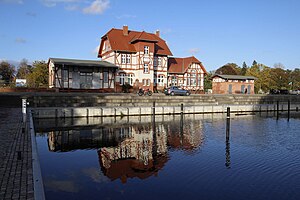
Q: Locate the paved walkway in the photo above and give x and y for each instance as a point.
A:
(16, 174)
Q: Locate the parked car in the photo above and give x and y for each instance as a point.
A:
(175, 90)
(296, 92)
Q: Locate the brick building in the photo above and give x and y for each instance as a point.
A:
(233, 84)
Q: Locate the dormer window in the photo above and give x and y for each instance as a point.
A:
(146, 50)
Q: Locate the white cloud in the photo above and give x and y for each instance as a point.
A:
(194, 51)
(97, 7)
(12, 1)
(20, 40)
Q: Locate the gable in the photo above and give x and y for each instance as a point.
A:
(125, 42)
(181, 65)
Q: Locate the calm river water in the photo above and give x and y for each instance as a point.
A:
(176, 157)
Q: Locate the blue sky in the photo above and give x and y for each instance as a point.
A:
(215, 31)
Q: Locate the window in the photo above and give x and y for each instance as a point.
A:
(105, 77)
(65, 78)
(130, 79)
(160, 80)
(146, 50)
(174, 80)
(159, 61)
(128, 58)
(188, 79)
(122, 79)
(146, 68)
(123, 59)
(193, 78)
(86, 80)
(155, 61)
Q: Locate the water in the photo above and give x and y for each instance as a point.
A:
(183, 158)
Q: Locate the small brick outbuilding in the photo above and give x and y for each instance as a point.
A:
(233, 84)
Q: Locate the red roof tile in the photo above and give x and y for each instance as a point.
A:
(180, 65)
(121, 42)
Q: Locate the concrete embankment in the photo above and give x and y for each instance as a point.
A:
(51, 105)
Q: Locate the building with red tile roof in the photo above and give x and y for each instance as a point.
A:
(144, 61)
(187, 72)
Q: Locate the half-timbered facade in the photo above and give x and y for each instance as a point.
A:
(141, 56)
(71, 74)
(188, 73)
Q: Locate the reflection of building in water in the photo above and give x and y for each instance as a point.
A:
(141, 155)
(68, 140)
(187, 136)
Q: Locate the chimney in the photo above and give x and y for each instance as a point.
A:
(125, 30)
(157, 33)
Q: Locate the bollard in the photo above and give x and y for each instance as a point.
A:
(24, 103)
(228, 123)
(181, 108)
(228, 112)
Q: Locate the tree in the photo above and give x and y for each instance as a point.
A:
(244, 69)
(208, 81)
(279, 78)
(254, 63)
(39, 75)
(294, 79)
(7, 72)
(229, 69)
(262, 73)
(24, 69)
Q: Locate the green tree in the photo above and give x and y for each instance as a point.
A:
(7, 72)
(254, 63)
(39, 75)
(294, 79)
(208, 80)
(279, 79)
(262, 73)
(24, 69)
(244, 69)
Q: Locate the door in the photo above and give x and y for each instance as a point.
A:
(249, 89)
(230, 89)
(242, 89)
